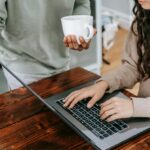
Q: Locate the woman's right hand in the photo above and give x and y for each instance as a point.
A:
(95, 91)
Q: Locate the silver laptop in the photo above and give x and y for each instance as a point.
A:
(87, 123)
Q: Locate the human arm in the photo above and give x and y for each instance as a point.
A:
(114, 108)
(124, 77)
(127, 74)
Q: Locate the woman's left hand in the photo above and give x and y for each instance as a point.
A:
(116, 108)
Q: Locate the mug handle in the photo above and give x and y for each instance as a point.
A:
(90, 31)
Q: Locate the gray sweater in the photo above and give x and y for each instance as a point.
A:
(31, 37)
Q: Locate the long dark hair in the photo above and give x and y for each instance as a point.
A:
(141, 28)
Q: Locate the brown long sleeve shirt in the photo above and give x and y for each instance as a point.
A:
(126, 75)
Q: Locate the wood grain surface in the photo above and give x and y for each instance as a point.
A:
(26, 124)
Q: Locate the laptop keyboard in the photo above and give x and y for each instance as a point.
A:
(90, 119)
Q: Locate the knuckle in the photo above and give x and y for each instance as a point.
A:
(121, 114)
(74, 102)
(103, 109)
(118, 110)
(106, 113)
(69, 40)
(96, 97)
(116, 103)
(113, 118)
(113, 99)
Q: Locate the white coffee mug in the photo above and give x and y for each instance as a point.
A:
(78, 25)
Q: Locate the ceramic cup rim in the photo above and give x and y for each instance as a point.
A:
(76, 17)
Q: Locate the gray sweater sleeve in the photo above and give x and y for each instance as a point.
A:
(3, 14)
(82, 7)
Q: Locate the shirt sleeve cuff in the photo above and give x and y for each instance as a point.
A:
(141, 107)
(112, 85)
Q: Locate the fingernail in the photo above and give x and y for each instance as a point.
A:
(70, 107)
(65, 105)
(102, 118)
(76, 46)
(101, 105)
(89, 106)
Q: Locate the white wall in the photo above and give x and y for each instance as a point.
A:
(118, 5)
(120, 8)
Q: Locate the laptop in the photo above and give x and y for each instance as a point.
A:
(87, 123)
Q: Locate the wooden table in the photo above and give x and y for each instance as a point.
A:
(26, 124)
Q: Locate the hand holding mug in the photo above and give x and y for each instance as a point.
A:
(78, 31)
(71, 42)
